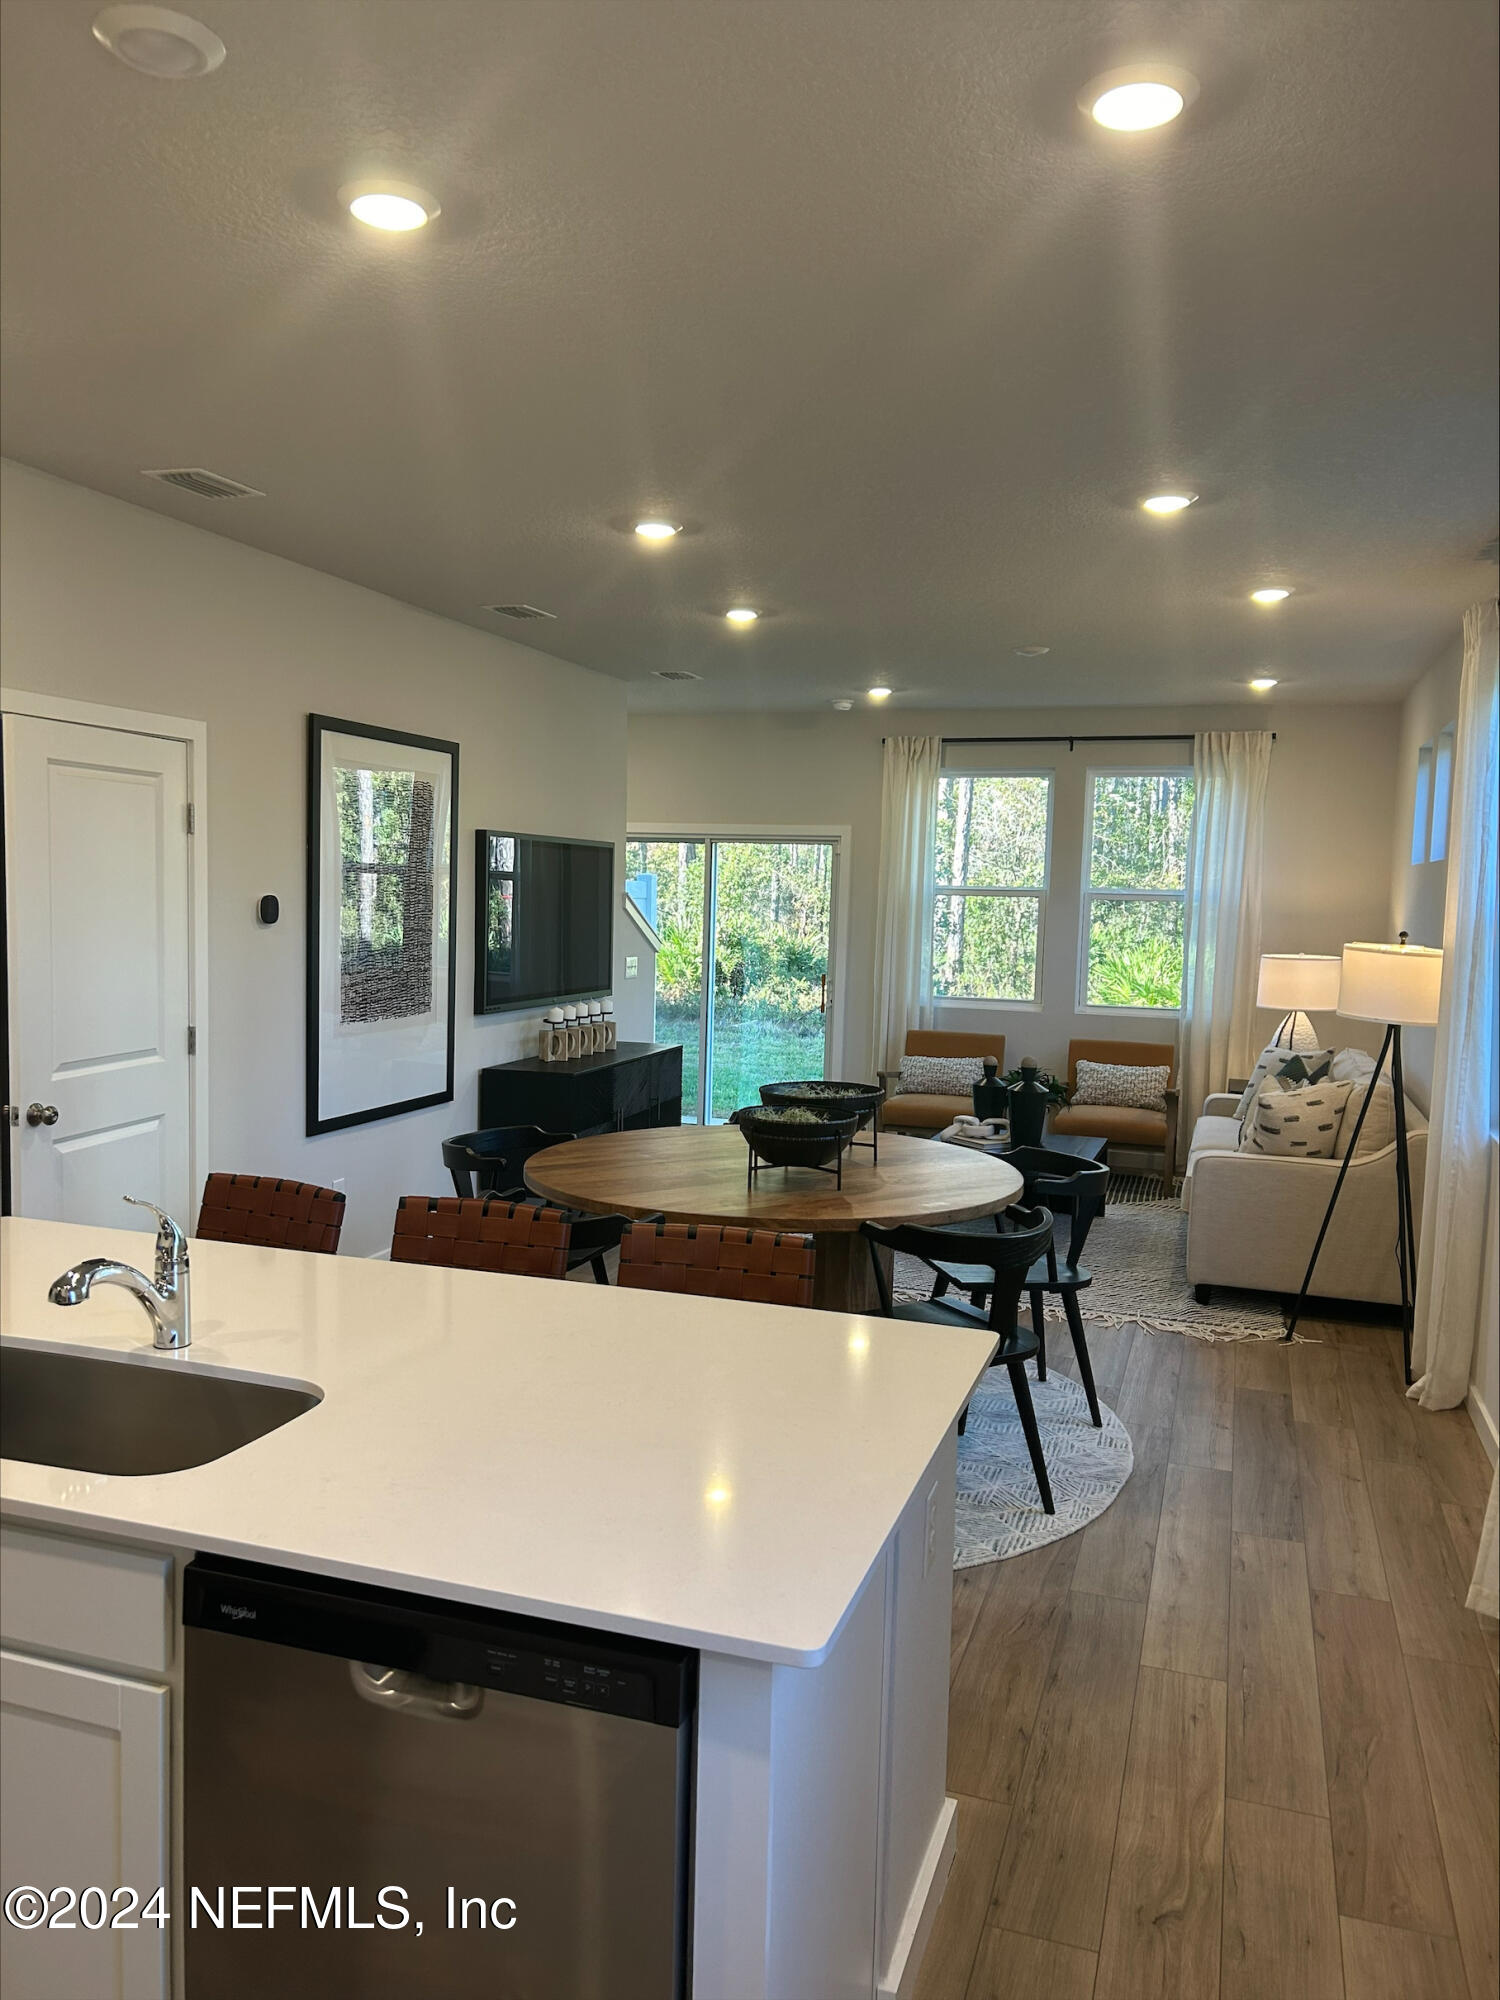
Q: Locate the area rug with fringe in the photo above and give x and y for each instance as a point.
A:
(1137, 1252)
(999, 1511)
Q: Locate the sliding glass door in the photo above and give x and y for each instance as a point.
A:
(743, 977)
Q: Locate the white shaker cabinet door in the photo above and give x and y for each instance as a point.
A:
(83, 1804)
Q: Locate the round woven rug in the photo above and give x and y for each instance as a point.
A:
(999, 1509)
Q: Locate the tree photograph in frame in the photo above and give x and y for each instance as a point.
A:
(382, 821)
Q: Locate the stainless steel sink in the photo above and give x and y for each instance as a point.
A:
(110, 1413)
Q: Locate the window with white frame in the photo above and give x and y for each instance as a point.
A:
(1442, 793)
(1135, 857)
(993, 844)
(1421, 806)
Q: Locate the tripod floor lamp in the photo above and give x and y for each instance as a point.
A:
(1298, 982)
(1397, 984)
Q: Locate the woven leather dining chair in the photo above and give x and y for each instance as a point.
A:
(1067, 1185)
(493, 1161)
(769, 1267)
(280, 1215)
(486, 1234)
(1006, 1254)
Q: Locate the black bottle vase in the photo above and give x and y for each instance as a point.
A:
(1029, 1099)
(991, 1097)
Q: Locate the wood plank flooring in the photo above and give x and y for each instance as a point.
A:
(1238, 1739)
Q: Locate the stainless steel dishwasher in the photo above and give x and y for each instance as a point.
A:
(445, 1801)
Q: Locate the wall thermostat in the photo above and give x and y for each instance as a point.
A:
(268, 909)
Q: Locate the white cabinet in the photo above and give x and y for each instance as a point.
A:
(83, 1804)
(84, 1764)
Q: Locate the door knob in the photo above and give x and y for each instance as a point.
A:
(41, 1114)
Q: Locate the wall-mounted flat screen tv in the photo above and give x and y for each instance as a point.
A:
(544, 919)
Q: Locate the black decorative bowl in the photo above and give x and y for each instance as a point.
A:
(829, 1100)
(776, 1140)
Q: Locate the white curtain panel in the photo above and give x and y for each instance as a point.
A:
(903, 913)
(1222, 951)
(1450, 1263)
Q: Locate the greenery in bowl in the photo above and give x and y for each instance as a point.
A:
(1057, 1089)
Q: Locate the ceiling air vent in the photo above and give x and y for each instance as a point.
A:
(206, 485)
(676, 674)
(519, 611)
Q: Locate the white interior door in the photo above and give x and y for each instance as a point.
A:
(98, 898)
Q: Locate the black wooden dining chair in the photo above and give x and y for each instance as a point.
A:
(1067, 1185)
(1005, 1254)
(494, 1162)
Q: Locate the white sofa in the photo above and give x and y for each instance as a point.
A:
(1253, 1218)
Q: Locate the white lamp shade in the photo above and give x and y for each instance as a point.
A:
(1298, 979)
(1391, 982)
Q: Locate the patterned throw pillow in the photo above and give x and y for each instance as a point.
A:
(1133, 1086)
(1302, 1122)
(940, 1076)
(1278, 1061)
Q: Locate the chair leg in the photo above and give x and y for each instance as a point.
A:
(1039, 1328)
(1022, 1390)
(939, 1285)
(600, 1268)
(1081, 1349)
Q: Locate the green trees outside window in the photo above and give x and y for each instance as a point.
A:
(991, 875)
(1135, 882)
(770, 911)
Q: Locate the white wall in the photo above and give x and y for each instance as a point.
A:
(1328, 831)
(110, 603)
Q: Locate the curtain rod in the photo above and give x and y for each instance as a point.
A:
(1178, 736)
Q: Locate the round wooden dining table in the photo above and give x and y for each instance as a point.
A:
(696, 1173)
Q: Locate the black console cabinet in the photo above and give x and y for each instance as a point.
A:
(636, 1084)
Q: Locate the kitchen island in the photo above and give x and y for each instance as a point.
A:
(771, 1488)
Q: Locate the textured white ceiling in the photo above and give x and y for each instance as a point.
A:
(851, 287)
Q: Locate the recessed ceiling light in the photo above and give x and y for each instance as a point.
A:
(158, 42)
(740, 614)
(1263, 684)
(843, 704)
(1272, 594)
(657, 530)
(1168, 503)
(878, 693)
(1138, 99)
(1032, 652)
(388, 205)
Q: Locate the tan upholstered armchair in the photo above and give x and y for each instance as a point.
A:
(917, 1111)
(1117, 1122)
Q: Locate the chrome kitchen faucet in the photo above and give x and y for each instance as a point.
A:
(166, 1300)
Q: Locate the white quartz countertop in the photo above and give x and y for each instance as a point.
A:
(705, 1471)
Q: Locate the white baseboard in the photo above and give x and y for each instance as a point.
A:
(899, 1980)
(378, 1256)
(1483, 1420)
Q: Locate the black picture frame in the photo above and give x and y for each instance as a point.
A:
(318, 727)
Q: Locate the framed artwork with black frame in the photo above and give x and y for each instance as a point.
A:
(382, 827)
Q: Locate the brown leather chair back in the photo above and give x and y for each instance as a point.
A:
(1133, 1055)
(767, 1266)
(938, 1042)
(281, 1215)
(485, 1234)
